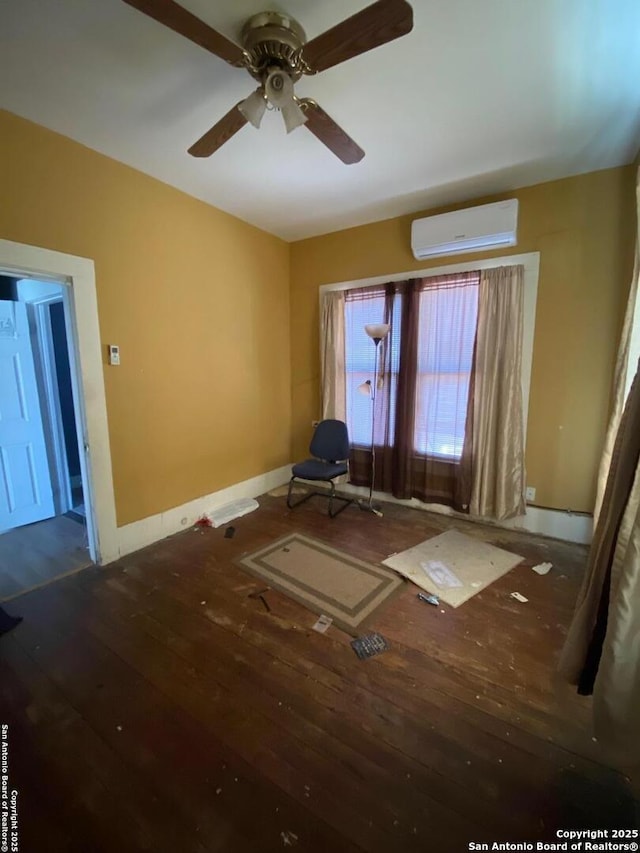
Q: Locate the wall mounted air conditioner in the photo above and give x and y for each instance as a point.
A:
(489, 226)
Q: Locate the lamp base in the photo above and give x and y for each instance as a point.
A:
(367, 506)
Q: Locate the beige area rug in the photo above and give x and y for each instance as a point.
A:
(453, 566)
(323, 579)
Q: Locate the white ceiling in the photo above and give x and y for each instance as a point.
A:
(482, 96)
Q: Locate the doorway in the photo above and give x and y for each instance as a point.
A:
(76, 275)
(43, 532)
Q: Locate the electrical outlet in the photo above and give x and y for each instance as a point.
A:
(530, 493)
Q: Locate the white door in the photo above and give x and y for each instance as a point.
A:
(25, 484)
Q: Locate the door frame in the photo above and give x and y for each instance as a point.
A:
(77, 274)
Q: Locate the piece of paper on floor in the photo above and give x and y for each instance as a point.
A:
(234, 509)
(322, 625)
(519, 597)
(441, 575)
(542, 568)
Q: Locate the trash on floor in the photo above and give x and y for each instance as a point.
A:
(234, 509)
(260, 594)
(452, 564)
(430, 599)
(289, 839)
(369, 645)
(441, 574)
(229, 533)
(323, 624)
(519, 597)
(542, 568)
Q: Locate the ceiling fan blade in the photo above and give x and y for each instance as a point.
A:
(378, 24)
(220, 133)
(181, 21)
(329, 133)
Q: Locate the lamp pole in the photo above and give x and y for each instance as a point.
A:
(377, 333)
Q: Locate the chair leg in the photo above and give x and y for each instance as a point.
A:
(331, 496)
(345, 504)
(301, 501)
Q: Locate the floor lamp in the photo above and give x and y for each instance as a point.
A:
(377, 333)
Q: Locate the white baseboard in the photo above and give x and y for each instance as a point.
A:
(141, 533)
(559, 524)
(572, 527)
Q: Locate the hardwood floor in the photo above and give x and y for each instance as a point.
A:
(153, 706)
(35, 554)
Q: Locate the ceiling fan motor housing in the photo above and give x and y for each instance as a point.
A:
(273, 40)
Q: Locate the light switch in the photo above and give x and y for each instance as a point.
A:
(114, 354)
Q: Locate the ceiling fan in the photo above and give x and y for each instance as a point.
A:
(276, 53)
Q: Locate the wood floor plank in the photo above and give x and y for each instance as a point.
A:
(156, 738)
(482, 752)
(265, 740)
(35, 554)
(209, 586)
(316, 715)
(148, 688)
(73, 769)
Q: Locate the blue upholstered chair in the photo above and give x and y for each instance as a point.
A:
(330, 451)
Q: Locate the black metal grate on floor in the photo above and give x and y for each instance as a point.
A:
(369, 645)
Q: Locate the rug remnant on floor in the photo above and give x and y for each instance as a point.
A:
(324, 579)
(283, 491)
(453, 566)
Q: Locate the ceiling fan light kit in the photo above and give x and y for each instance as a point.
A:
(276, 53)
(293, 116)
(253, 108)
(278, 89)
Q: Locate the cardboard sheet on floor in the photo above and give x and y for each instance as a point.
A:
(453, 566)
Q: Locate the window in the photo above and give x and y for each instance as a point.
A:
(359, 362)
(423, 421)
(447, 309)
(446, 336)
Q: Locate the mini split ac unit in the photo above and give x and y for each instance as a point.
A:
(488, 226)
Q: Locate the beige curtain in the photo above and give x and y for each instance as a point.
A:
(497, 458)
(617, 688)
(602, 651)
(332, 358)
(621, 370)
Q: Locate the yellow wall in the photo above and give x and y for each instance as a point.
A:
(192, 410)
(191, 295)
(583, 228)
